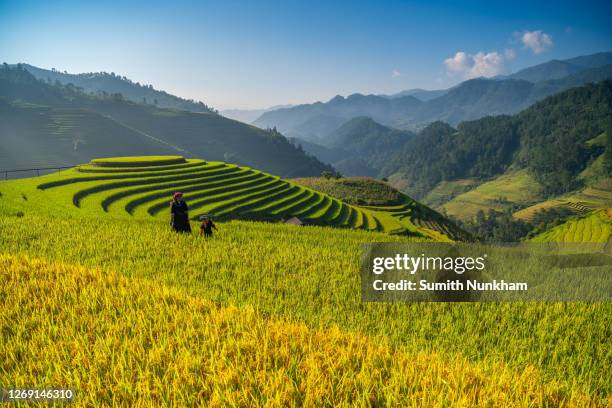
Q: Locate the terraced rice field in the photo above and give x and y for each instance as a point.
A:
(397, 212)
(447, 190)
(126, 312)
(593, 227)
(415, 216)
(511, 188)
(591, 198)
(143, 186)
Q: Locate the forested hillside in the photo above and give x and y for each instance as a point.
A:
(51, 125)
(104, 84)
(549, 139)
(557, 69)
(554, 134)
(364, 139)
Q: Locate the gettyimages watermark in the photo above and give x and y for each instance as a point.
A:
(460, 272)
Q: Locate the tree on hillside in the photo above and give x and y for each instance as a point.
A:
(496, 227)
(327, 174)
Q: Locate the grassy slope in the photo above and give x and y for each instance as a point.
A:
(516, 187)
(596, 196)
(447, 190)
(43, 137)
(138, 161)
(169, 347)
(44, 126)
(354, 190)
(295, 276)
(592, 227)
(394, 209)
(215, 137)
(225, 190)
(310, 276)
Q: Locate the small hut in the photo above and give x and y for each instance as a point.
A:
(294, 221)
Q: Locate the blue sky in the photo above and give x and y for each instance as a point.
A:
(251, 54)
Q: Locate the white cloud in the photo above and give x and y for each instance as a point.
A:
(395, 73)
(459, 63)
(487, 65)
(537, 41)
(480, 64)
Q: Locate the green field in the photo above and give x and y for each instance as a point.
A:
(128, 312)
(516, 187)
(551, 353)
(142, 188)
(595, 226)
(354, 190)
(597, 196)
(388, 205)
(447, 190)
(138, 161)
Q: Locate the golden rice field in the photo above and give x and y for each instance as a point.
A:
(129, 342)
(283, 272)
(126, 312)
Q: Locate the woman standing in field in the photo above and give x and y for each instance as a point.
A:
(179, 214)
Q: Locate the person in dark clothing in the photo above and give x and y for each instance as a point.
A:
(179, 214)
(207, 226)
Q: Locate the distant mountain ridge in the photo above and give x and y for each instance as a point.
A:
(557, 69)
(316, 121)
(249, 115)
(469, 100)
(46, 125)
(360, 146)
(421, 94)
(100, 83)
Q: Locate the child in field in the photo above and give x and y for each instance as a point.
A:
(207, 226)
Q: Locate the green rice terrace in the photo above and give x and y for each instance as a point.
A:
(595, 226)
(141, 187)
(389, 204)
(591, 198)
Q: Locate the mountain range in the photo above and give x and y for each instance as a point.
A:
(249, 115)
(555, 154)
(104, 84)
(558, 145)
(421, 94)
(415, 109)
(557, 69)
(45, 123)
(435, 145)
(360, 146)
